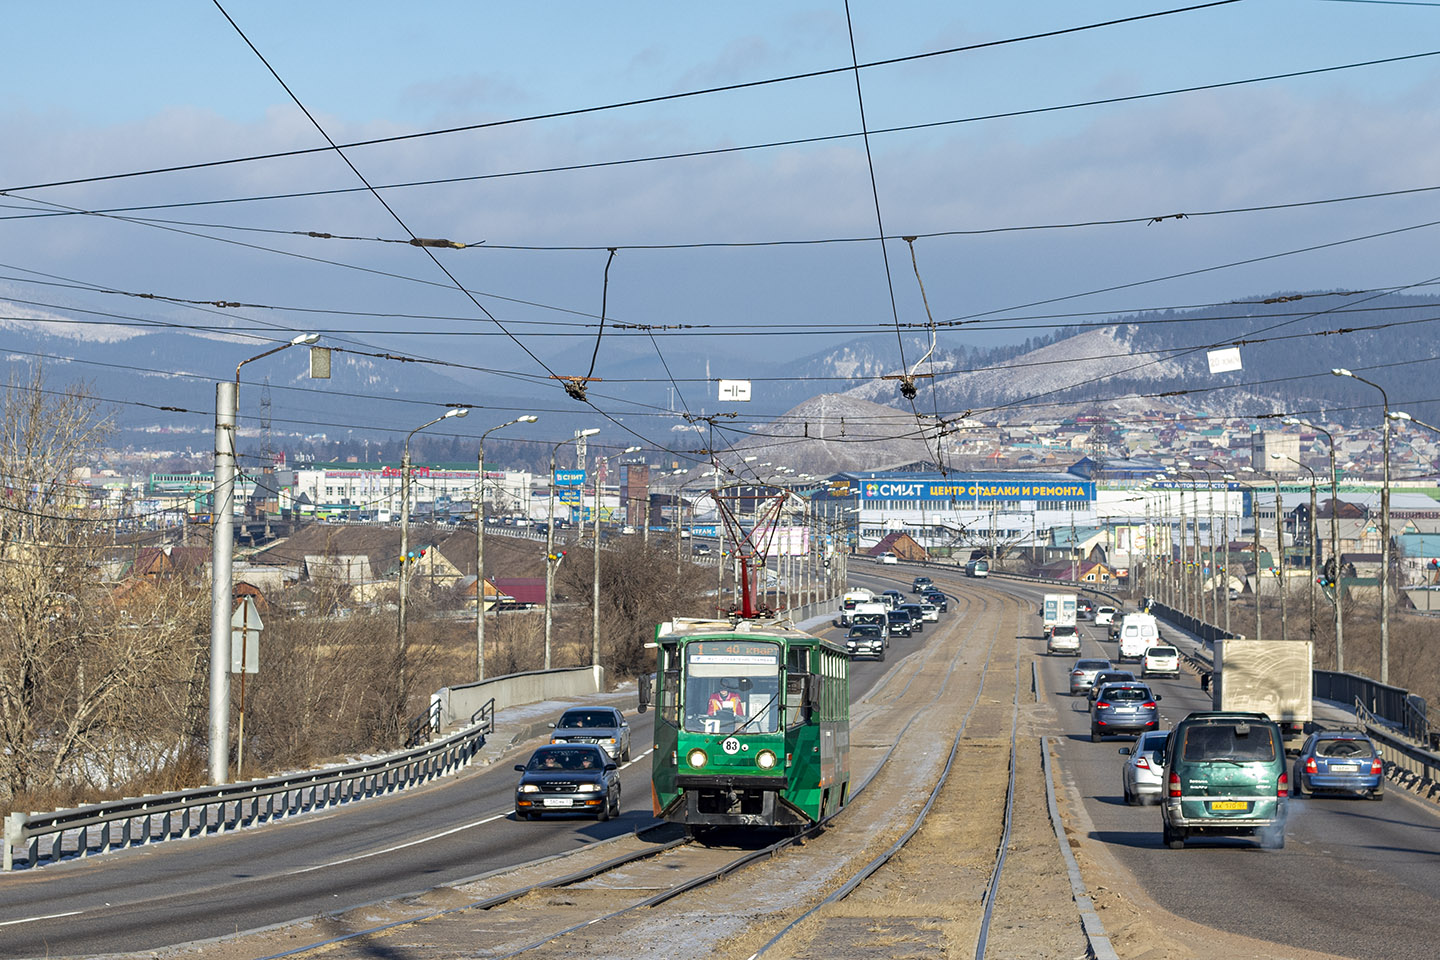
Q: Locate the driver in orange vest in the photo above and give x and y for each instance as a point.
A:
(726, 699)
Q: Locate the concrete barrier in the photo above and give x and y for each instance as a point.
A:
(457, 704)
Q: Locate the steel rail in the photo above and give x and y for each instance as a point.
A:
(675, 890)
(869, 869)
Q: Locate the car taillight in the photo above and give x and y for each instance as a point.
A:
(1174, 784)
(1310, 766)
(1077, 673)
(1102, 704)
(1143, 763)
(1282, 786)
(1148, 704)
(1376, 766)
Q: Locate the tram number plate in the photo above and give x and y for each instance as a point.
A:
(554, 802)
(1229, 805)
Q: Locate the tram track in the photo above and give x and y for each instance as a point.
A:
(536, 913)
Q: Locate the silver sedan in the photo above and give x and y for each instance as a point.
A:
(1143, 775)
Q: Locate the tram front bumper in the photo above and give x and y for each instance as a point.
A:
(737, 800)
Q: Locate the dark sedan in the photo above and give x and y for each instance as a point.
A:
(938, 598)
(568, 778)
(917, 615)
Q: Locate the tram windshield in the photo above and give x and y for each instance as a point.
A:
(732, 686)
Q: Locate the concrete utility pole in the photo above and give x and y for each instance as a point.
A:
(222, 539)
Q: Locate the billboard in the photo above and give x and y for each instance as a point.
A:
(569, 478)
(978, 491)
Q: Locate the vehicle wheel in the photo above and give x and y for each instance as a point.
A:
(1378, 793)
(1130, 799)
(1174, 839)
(1094, 735)
(603, 813)
(1300, 790)
(615, 805)
(625, 756)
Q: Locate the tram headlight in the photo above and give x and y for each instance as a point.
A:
(696, 758)
(765, 760)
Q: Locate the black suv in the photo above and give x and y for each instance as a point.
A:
(900, 623)
(921, 584)
(938, 598)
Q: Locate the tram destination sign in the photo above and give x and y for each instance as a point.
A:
(733, 652)
(977, 491)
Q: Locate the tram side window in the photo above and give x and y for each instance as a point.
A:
(670, 697)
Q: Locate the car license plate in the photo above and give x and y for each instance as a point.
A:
(1343, 768)
(1229, 805)
(1124, 709)
(557, 802)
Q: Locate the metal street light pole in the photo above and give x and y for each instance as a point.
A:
(401, 646)
(1384, 524)
(222, 545)
(1213, 565)
(550, 540)
(1225, 524)
(480, 543)
(1280, 555)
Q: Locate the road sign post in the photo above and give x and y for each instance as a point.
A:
(245, 627)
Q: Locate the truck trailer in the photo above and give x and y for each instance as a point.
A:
(1272, 677)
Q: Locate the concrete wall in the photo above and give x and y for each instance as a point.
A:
(458, 703)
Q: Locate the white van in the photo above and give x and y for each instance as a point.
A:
(1138, 633)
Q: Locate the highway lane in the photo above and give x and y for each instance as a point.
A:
(456, 829)
(1356, 878)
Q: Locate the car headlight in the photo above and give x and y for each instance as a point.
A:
(529, 788)
(589, 788)
(696, 758)
(608, 740)
(765, 760)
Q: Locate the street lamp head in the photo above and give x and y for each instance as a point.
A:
(455, 412)
(1399, 415)
(526, 418)
(305, 338)
(1341, 372)
(635, 449)
(587, 432)
(1291, 421)
(1247, 469)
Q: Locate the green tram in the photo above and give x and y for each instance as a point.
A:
(752, 725)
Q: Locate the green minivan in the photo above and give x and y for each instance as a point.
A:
(1225, 775)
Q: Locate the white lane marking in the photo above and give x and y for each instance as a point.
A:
(418, 841)
(48, 916)
(402, 846)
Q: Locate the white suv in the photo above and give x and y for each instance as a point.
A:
(1160, 662)
(1104, 615)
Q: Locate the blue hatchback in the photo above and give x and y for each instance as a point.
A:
(1339, 761)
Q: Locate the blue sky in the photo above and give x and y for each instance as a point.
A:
(101, 88)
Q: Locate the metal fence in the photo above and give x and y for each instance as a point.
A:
(102, 827)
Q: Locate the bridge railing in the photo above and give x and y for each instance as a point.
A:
(115, 824)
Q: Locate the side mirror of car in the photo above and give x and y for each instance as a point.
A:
(612, 766)
(1124, 751)
(552, 726)
(519, 768)
(1158, 698)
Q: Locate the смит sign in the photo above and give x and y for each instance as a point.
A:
(983, 491)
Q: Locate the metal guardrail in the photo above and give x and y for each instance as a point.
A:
(1400, 753)
(116, 824)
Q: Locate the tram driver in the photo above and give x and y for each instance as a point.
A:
(726, 700)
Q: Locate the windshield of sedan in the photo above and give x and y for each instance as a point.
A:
(569, 760)
(575, 719)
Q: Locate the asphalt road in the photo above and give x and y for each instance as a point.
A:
(1356, 878)
(455, 829)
